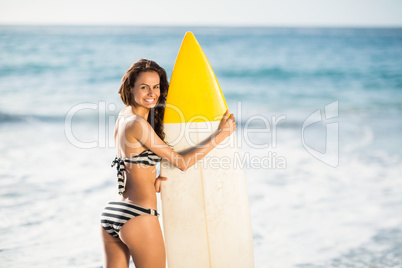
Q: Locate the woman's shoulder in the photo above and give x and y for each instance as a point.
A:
(135, 120)
(131, 123)
(134, 124)
(128, 117)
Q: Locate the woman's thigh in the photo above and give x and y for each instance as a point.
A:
(143, 237)
(116, 253)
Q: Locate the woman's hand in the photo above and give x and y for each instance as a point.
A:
(227, 125)
(158, 183)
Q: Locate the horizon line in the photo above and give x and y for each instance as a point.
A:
(201, 25)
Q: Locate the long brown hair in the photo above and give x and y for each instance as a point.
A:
(155, 117)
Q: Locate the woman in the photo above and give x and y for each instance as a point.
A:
(130, 224)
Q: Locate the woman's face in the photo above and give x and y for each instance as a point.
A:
(146, 89)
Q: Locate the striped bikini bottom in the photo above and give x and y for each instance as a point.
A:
(116, 214)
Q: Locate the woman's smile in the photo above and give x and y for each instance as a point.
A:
(150, 100)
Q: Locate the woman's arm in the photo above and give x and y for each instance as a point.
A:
(143, 132)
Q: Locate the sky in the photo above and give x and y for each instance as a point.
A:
(360, 13)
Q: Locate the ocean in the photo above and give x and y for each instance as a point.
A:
(319, 133)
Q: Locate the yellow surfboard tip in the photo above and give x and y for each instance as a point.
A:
(194, 93)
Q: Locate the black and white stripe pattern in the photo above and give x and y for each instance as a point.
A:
(116, 214)
(147, 157)
(121, 186)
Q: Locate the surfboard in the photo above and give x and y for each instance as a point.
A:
(205, 210)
